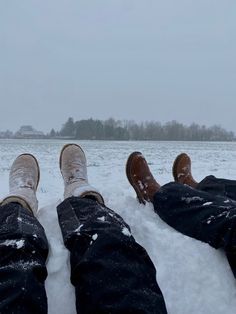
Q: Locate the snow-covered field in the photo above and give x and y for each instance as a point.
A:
(194, 278)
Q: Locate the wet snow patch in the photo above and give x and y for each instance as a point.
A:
(18, 244)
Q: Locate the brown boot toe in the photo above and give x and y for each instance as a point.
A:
(182, 170)
(141, 178)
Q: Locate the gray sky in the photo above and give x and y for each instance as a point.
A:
(129, 59)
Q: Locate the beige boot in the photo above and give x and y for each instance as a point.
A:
(23, 182)
(74, 172)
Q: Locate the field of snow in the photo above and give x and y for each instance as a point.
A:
(194, 278)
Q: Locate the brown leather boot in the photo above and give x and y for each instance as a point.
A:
(141, 178)
(182, 170)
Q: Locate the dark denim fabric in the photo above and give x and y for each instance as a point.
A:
(207, 213)
(110, 271)
(23, 254)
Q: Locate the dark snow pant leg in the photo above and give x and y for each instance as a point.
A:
(216, 186)
(201, 215)
(23, 253)
(110, 271)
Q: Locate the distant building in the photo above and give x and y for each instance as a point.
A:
(27, 131)
(6, 134)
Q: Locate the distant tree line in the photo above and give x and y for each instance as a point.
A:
(111, 129)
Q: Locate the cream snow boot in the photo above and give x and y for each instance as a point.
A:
(23, 182)
(74, 172)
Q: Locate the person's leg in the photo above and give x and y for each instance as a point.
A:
(182, 174)
(198, 214)
(201, 215)
(218, 186)
(23, 244)
(23, 253)
(110, 271)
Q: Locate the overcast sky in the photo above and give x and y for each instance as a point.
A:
(127, 59)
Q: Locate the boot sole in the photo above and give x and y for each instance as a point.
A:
(64, 147)
(129, 177)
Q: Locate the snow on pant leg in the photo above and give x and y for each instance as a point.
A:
(216, 186)
(110, 271)
(23, 253)
(201, 215)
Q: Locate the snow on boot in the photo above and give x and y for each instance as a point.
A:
(23, 182)
(141, 178)
(182, 170)
(73, 167)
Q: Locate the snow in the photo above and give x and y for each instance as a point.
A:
(95, 236)
(193, 277)
(78, 229)
(126, 232)
(18, 244)
(188, 200)
(101, 218)
(207, 204)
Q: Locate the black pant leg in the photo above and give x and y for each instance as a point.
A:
(23, 253)
(201, 215)
(217, 186)
(110, 271)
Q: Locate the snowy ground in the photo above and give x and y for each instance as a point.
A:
(194, 278)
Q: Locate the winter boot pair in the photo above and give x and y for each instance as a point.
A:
(25, 174)
(143, 182)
